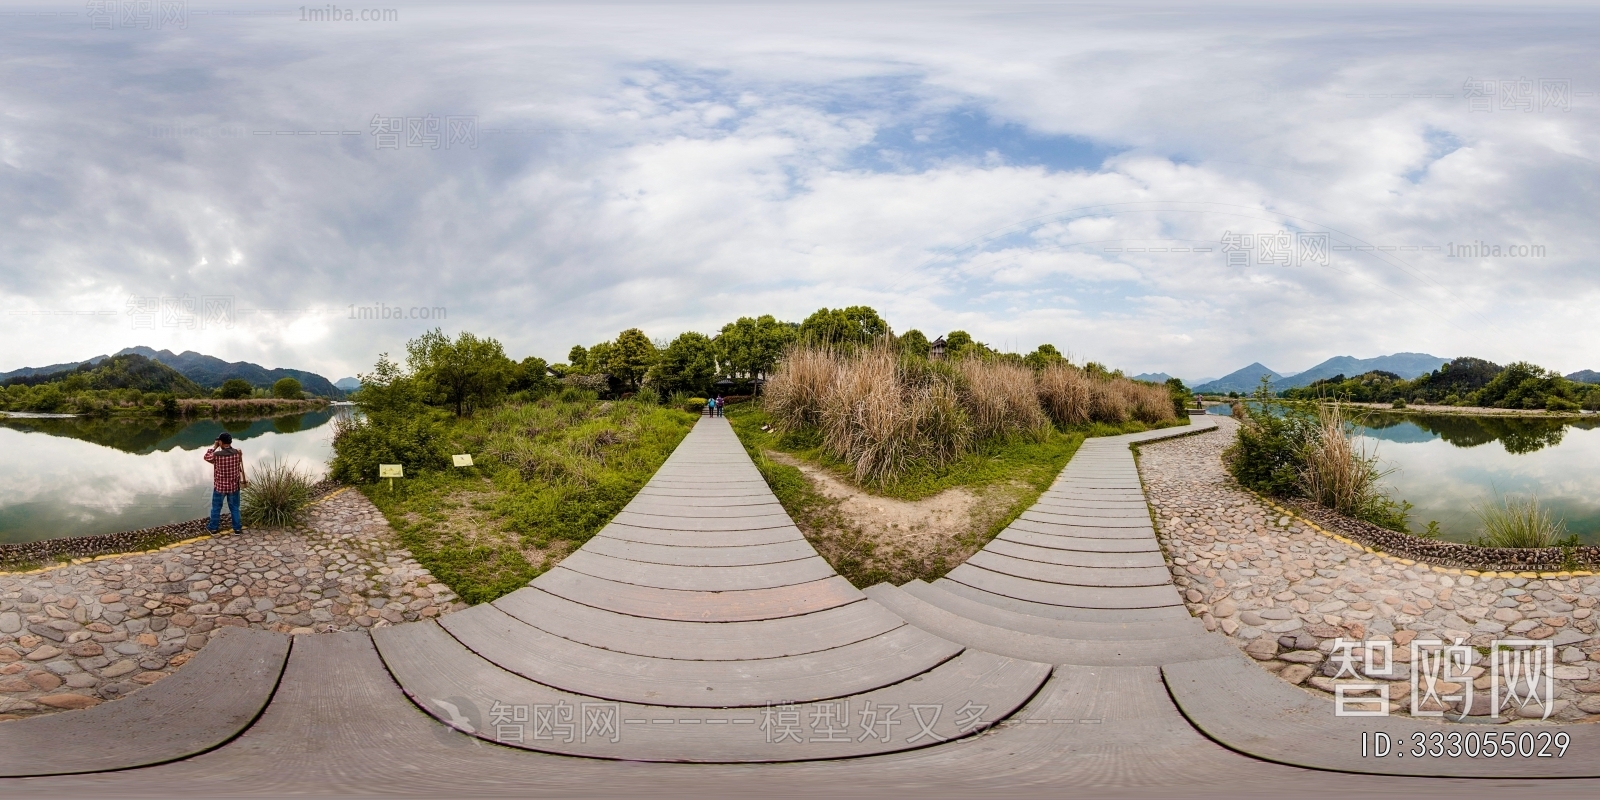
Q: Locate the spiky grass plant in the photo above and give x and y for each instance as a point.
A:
(1001, 399)
(277, 495)
(1518, 522)
(1064, 393)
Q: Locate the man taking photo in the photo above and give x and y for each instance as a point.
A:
(227, 477)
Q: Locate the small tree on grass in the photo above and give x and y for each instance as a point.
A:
(631, 357)
(465, 373)
(287, 389)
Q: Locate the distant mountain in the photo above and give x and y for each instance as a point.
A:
(121, 371)
(207, 371)
(1406, 365)
(1244, 380)
(28, 372)
(210, 371)
(1153, 377)
(1585, 376)
(347, 384)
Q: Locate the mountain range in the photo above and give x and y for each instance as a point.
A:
(1153, 377)
(1585, 376)
(1406, 365)
(207, 371)
(347, 384)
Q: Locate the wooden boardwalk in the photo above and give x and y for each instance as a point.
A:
(700, 627)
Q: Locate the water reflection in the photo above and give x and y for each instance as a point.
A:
(1444, 464)
(83, 476)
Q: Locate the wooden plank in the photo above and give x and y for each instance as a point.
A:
(1068, 575)
(429, 664)
(641, 601)
(761, 536)
(1064, 595)
(1047, 649)
(1103, 511)
(788, 550)
(1055, 627)
(699, 579)
(518, 647)
(1081, 520)
(1249, 710)
(703, 524)
(1023, 533)
(1102, 615)
(1078, 558)
(1038, 524)
(204, 705)
(725, 641)
(650, 508)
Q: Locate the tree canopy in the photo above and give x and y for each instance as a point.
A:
(751, 346)
(463, 373)
(852, 325)
(688, 364)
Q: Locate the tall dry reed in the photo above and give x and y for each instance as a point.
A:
(1064, 392)
(795, 393)
(1337, 472)
(1002, 399)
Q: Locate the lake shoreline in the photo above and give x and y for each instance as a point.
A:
(24, 557)
(190, 408)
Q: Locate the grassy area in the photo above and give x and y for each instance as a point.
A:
(1008, 474)
(549, 474)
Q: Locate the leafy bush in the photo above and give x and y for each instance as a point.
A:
(287, 389)
(361, 444)
(234, 388)
(1558, 403)
(277, 495)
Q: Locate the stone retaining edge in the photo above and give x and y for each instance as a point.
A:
(56, 553)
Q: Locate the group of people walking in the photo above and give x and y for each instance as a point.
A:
(714, 406)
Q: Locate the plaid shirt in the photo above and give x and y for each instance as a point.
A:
(228, 466)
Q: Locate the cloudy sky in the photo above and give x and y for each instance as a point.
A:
(1161, 187)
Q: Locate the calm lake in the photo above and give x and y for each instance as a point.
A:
(1443, 464)
(82, 476)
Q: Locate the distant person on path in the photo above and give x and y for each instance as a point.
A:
(711, 406)
(227, 467)
(719, 405)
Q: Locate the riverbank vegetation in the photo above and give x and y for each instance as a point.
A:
(1466, 382)
(133, 385)
(1286, 451)
(1520, 522)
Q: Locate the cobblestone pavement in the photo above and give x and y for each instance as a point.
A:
(78, 635)
(1284, 591)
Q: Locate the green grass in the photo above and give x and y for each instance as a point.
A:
(548, 476)
(1032, 463)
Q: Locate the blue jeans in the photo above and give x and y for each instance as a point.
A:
(216, 509)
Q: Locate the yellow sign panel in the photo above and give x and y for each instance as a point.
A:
(391, 471)
(463, 460)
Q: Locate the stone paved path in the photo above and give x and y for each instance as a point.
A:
(1284, 591)
(79, 635)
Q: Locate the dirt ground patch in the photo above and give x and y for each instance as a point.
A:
(469, 517)
(872, 539)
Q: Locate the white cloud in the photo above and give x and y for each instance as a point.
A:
(694, 164)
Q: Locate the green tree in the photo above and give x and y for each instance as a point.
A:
(631, 357)
(286, 389)
(686, 365)
(960, 343)
(1043, 356)
(234, 389)
(532, 375)
(751, 346)
(465, 373)
(914, 343)
(578, 357)
(387, 389)
(847, 326)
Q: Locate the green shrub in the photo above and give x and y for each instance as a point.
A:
(1398, 404)
(277, 495)
(1559, 403)
(287, 389)
(361, 444)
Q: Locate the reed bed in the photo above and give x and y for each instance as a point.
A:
(1337, 472)
(885, 413)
